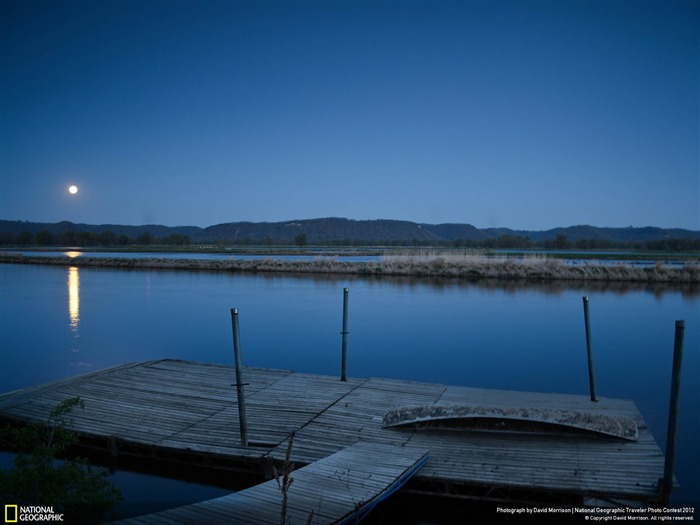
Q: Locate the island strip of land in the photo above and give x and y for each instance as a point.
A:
(468, 268)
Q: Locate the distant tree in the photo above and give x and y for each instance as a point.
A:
(513, 241)
(561, 242)
(86, 238)
(145, 238)
(108, 238)
(583, 244)
(24, 238)
(301, 239)
(44, 238)
(68, 238)
(123, 240)
(7, 238)
(178, 239)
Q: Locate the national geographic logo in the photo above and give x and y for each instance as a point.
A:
(16, 514)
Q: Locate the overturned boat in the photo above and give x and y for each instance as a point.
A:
(498, 419)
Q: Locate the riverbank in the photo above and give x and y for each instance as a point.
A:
(464, 267)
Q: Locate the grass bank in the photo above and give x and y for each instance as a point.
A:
(464, 266)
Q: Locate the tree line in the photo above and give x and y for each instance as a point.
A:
(562, 242)
(514, 242)
(84, 239)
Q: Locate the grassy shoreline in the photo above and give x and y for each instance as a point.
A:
(467, 267)
(343, 251)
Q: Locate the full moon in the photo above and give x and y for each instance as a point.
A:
(73, 190)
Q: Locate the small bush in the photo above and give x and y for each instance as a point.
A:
(83, 494)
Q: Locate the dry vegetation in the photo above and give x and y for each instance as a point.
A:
(464, 265)
(476, 265)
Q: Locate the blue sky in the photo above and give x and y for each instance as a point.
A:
(528, 115)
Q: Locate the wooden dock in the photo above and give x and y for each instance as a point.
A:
(187, 412)
(354, 480)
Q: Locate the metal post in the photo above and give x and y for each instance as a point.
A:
(589, 351)
(667, 483)
(343, 366)
(239, 379)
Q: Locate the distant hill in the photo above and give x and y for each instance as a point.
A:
(318, 231)
(347, 231)
(576, 233)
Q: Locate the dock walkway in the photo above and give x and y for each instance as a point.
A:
(353, 481)
(186, 411)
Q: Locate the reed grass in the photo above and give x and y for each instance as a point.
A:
(467, 265)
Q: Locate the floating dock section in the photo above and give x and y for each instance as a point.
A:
(186, 412)
(341, 488)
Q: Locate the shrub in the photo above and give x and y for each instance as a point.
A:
(82, 493)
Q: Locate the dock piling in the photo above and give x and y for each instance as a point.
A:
(239, 379)
(667, 482)
(589, 350)
(344, 358)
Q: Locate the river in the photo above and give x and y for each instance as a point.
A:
(64, 321)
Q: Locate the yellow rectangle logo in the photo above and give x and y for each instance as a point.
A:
(10, 513)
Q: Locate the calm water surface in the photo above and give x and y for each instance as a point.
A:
(58, 322)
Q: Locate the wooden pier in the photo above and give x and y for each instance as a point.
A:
(187, 412)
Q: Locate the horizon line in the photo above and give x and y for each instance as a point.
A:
(355, 220)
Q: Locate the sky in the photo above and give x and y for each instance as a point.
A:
(526, 115)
